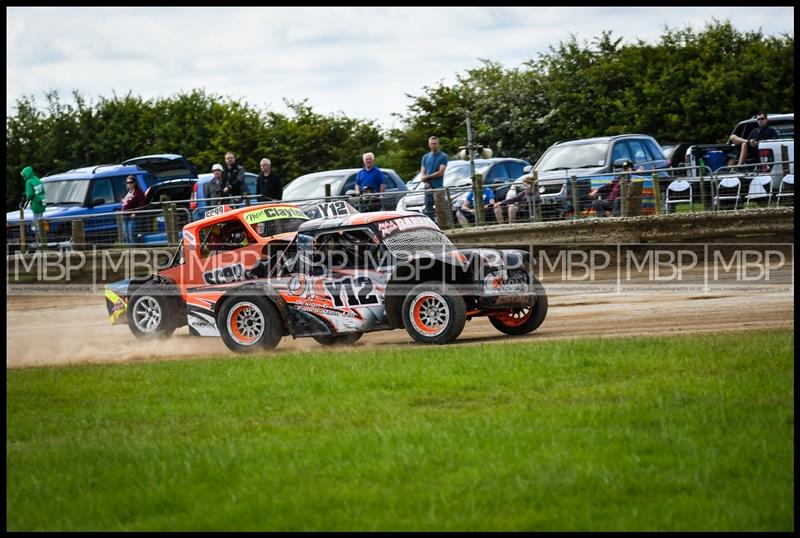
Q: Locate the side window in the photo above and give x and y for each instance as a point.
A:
(515, 169)
(639, 153)
(498, 171)
(350, 249)
(223, 236)
(101, 188)
(120, 187)
(389, 180)
(621, 151)
(653, 150)
(349, 184)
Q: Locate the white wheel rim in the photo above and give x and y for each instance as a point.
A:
(429, 314)
(245, 323)
(147, 314)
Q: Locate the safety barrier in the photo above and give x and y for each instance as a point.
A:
(624, 194)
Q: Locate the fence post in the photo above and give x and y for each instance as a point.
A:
(449, 200)
(169, 222)
(23, 247)
(78, 235)
(42, 234)
(576, 204)
(623, 192)
(440, 201)
(785, 158)
(537, 206)
(120, 228)
(477, 202)
(656, 194)
(702, 186)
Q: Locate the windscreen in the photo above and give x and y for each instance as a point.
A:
(71, 192)
(574, 156)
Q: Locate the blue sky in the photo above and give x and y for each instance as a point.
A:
(360, 61)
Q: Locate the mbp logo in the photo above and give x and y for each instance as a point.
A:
(661, 265)
(747, 265)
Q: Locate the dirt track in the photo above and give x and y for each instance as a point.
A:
(50, 330)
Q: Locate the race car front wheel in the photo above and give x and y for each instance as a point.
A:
(151, 312)
(339, 339)
(433, 314)
(249, 324)
(523, 320)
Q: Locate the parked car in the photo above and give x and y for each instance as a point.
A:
(585, 159)
(199, 206)
(94, 190)
(342, 182)
(457, 176)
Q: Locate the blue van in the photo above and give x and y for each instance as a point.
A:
(94, 190)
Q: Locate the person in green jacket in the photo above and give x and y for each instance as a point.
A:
(34, 193)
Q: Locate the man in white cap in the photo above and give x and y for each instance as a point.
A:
(213, 189)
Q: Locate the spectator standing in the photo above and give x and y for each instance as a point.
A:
(526, 196)
(762, 132)
(268, 185)
(466, 213)
(368, 181)
(233, 177)
(431, 172)
(34, 194)
(213, 189)
(133, 200)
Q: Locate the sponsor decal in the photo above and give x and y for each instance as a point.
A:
(389, 227)
(119, 305)
(347, 292)
(274, 213)
(338, 208)
(219, 210)
(222, 275)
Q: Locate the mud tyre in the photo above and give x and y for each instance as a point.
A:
(433, 314)
(152, 311)
(523, 320)
(249, 324)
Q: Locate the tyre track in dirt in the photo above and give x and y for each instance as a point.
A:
(61, 330)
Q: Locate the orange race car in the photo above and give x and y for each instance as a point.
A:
(349, 273)
(226, 246)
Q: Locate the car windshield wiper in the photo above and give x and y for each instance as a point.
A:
(556, 169)
(586, 166)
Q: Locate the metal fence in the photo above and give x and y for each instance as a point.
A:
(623, 194)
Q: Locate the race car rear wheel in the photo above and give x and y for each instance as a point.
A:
(151, 312)
(339, 339)
(523, 320)
(433, 314)
(249, 324)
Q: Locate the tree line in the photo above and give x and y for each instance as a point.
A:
(687, 86)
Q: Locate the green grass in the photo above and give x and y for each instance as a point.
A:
(682, 433)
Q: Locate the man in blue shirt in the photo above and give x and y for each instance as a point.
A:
(432, 172)
(370, 180)
(466, 213)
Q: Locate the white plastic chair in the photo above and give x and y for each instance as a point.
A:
(788, 179)
(728, 182)
(679, 186)
(760, 187)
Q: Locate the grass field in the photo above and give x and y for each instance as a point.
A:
(674, 433)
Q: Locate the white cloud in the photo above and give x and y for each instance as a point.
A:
(361, 61)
